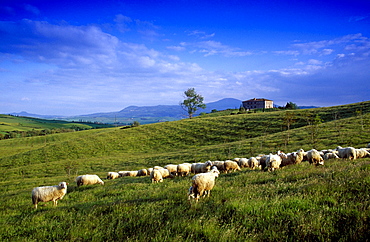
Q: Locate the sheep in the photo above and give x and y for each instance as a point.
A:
(201, 167)
(149, 170)
(291, 158)
(242, 162)
(123, 173)
(220, 165)
(112, 175)
(172, 169)
(314, 157)
(88, 180)
(202, 184)
(331, 155)
(348, 152)
(49, 193)
(142, 172)
(132, 173)
(158, 175)
(253, 163)
(262, 161)
(183, 169)
(362, 153)
(273, 162)
(231, 166)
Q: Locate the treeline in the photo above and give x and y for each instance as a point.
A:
(34, 132)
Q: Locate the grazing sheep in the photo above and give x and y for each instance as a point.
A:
(149, 170)
(348, 152)
(132, 173)
(201, 167)
(183, 169)
(242, 162)
(362, 153)
(88, 180)
(202, 184)
(273, 162)
(291, 158)
(330, 155)
(172, 169)
(142, 172)
(49, 193)
(231, 166)
(314, 157)
(253, 163)
(220, 165)
(112, 175)
(123, 173)
(158, 175)
(262, 161)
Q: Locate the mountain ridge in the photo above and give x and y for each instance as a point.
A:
(174, 112)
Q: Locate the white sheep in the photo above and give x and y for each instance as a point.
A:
(149, 170)
(183, 169)
(49, 193)
(220, 165)
(202, 184)
(142, 172)
(242, 162)
(231, 166)
(291, 158)
(348, 152)
(201, 167)
(172, 168)
(157, 175)
(331, 155)
(362, 153)
(123, 173)
(88, 180)
(314, 157)
(273, 162)
(262, 160)
(253, 163)
(112, 175)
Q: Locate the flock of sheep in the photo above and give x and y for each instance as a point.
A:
(205, 173)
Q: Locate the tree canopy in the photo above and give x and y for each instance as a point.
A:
(193, 101)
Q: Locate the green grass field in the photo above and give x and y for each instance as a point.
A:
(15, 127)
(297, 203)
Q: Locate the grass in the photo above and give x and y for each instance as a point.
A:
(300, 202)
(15, 127)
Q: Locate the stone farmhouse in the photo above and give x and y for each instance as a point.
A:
(258, 103)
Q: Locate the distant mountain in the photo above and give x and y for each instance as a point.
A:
(306, 107)
(151, 113)
(174, 111)
(25, 114)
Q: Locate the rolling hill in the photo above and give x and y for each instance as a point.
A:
(299, 202)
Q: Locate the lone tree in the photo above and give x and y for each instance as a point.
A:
(193, 102)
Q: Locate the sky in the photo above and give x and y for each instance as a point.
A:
(82, 57)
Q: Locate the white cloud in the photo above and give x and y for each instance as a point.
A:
(211, 47)
(176, 48)
(32, 9)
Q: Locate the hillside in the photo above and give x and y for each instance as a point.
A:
(15, 126)
(300, 202)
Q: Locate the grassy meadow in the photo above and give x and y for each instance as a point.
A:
(19, 126)
(299, 202)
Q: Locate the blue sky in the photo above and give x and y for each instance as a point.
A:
(80, 57)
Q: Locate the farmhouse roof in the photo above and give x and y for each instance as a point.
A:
(257, 99)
